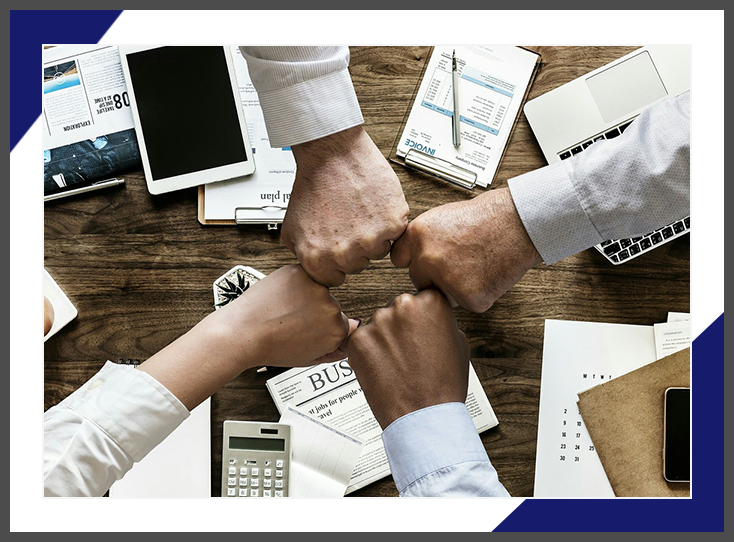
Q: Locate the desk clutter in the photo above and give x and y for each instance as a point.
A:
(90, 140)
(605, 381)
(600, 426)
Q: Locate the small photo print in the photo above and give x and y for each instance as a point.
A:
(60, 76)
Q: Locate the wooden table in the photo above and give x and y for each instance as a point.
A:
(139, 269)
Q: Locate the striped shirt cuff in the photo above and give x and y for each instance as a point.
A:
(311, 109)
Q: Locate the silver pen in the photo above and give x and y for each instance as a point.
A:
(88, 188)
(455, 120)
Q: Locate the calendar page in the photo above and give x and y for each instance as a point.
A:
(578, 356)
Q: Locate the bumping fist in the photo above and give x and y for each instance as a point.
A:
(296, 320)
(346, 206)
(473, 251)
(410, 356)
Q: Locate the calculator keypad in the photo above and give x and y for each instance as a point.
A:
(253, 481)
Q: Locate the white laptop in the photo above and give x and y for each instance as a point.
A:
(600, 105)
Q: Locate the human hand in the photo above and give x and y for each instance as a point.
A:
(294, 321)
(410, 356)
(346, 206)
(48, 316)
(473, 251)
(286, 319)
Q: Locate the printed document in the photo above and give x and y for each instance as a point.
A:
(84, 94)
(275, 169)
(322, 457)
(670, 337)
(576, 357)
(330, 392)
(492, 85)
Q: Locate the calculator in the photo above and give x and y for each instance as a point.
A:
(255, 459)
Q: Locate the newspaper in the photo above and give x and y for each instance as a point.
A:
(88, 127)
(330, 392)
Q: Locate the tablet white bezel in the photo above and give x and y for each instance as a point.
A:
(221, 173)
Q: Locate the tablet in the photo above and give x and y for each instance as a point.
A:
(189, 119)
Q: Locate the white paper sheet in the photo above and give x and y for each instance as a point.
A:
(578, 356)
(678, 316)
(178, 468)
(64, 311)
(322, 457)
(671, 337)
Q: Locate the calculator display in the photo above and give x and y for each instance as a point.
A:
(257, 444)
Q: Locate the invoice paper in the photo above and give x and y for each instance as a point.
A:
(492, 85)
(578, 356)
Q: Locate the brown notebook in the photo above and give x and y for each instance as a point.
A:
(625, 421)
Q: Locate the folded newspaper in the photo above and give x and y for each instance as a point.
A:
(330, 392)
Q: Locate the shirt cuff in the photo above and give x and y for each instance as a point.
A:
(552, 213)
(310, 109)
(431, 439)
(133, 408)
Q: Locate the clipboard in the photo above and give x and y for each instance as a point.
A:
(418, 157)
(271, 214)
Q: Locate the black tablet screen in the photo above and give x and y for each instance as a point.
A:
(187, 110)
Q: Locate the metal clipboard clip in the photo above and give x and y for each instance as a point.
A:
(271, 222)
(441, 168)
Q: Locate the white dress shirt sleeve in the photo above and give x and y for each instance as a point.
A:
(436, 452)
(94, 436)
(617, 188)
(306, 93)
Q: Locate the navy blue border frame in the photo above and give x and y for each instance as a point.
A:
(30, 29)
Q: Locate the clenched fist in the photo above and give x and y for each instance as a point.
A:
(346, 206)
(410, 356)
(473, 251)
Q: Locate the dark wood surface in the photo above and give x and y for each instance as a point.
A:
(139, 269)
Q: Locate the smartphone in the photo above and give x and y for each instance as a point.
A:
(677, 435)
(189, 120)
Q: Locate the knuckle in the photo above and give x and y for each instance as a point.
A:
(404, 300)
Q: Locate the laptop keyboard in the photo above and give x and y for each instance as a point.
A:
(619, 251)
(609, 134)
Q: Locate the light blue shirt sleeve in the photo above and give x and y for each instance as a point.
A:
(436, 452)
(622, 187)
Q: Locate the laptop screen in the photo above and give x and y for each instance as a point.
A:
(626, 87)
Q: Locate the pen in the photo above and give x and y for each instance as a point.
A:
(455, 127)
(93, 186)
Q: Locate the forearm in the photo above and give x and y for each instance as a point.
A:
(626, 186)
(211, 354)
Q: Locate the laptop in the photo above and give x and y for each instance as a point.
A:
(601, 105)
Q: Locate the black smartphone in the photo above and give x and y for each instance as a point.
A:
(677, 435)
